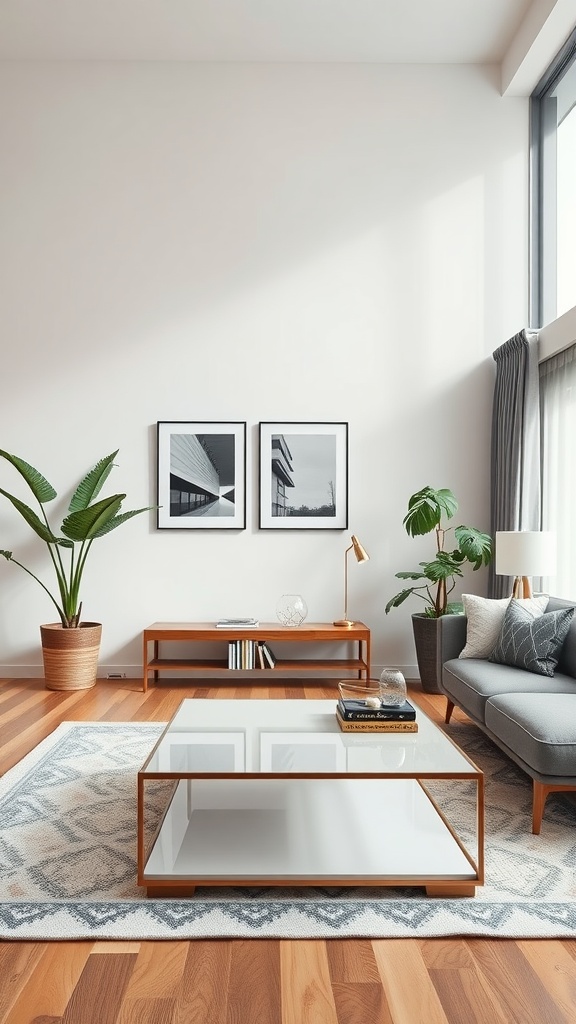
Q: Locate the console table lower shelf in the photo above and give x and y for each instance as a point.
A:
(298, 832)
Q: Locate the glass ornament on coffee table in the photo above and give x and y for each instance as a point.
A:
(392, 688)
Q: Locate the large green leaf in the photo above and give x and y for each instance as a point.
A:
(416, 575)
(90, 487)
(399, 599)
(31, 518)
(474, 545)
(426, 508)
(441, 568)
(42, 490)
(85, 524)
(118, 520)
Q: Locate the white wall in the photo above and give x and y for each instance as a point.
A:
(252, 242)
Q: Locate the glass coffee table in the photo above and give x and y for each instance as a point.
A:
(271, 792)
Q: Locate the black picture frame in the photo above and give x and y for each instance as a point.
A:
(201, 480)
(303, 478)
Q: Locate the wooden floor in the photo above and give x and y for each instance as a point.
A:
(260, 981)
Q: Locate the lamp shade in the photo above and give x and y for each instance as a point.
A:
(360, 552)
(525, 553)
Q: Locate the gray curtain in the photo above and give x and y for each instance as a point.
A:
(515, 451)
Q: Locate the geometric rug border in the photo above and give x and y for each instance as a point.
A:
(208, 919)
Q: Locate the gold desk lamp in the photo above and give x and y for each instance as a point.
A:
(361, 556)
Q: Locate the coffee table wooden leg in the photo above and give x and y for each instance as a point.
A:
(450, 889)
(170, 891)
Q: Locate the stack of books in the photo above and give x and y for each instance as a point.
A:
(250, 654)
(356, 716)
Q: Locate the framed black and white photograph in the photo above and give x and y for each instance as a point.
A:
(303, 476)
(201, 475)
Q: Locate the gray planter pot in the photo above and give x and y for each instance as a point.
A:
(436, 641)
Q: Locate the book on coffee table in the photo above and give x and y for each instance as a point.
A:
(353, 710)
(375, 725)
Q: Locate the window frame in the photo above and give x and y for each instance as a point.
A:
(543, 184)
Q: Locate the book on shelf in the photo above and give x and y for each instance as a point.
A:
(247, 623)
(242, 653)
(260, 656)
(375, 725)
(268, 656)
(357, 711)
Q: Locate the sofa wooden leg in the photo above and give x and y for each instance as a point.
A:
(539, 794)
(449, 710)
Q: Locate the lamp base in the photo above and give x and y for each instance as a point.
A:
(522, 587)
(344, 622)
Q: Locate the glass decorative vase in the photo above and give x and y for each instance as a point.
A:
(392, 688)
(291, 610)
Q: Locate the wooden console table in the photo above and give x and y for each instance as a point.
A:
(356, 637)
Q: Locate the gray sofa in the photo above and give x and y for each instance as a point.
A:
(532, 718)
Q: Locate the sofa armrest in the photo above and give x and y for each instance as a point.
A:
(452, 638)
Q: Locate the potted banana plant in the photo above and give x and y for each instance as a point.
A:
(428, 511)
(70, 647)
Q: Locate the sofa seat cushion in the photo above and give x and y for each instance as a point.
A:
(540, 726)
(470, 682)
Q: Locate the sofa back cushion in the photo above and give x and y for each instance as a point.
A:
(532, 643)
(567, 660)
(485, 616)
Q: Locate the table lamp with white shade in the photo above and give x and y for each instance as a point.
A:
(524, 554)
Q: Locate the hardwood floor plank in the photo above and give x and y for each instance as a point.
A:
(204, 989)
(519, 993)
(18, 961)
(352, 960)
(148, 1011)
(158, 971)
(409, 989)
(556, 969)
(447, 954)
(100, 990)
(254, 983)
(116, 946)
(465, 997)
(51, 985)
(307, 996)
(360, 1003)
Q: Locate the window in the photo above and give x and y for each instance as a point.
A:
(553, 221)
(558, 428)
(553, 299)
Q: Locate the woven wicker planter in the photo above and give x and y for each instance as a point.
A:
(70, 655)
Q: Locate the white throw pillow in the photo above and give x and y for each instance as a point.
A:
(485, 617)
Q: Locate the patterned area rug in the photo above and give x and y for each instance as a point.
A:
(68, 842)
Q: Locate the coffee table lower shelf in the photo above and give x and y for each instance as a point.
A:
(302, 831)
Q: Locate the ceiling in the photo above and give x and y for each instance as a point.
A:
(387, 31)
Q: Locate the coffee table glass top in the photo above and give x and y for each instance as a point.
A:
(295, 737)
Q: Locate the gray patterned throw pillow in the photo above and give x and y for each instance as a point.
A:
(529, 643)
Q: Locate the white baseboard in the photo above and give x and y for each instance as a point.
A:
(135, 672)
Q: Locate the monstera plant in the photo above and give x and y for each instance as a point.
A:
(435, 579)
(88, 518)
